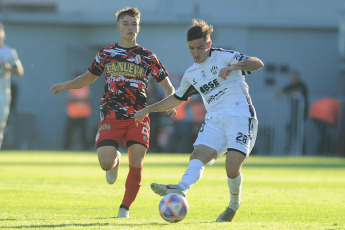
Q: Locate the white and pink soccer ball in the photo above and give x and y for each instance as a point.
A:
(173, 207)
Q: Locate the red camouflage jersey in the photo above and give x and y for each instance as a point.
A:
(127, 74)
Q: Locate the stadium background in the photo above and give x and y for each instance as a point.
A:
(55, 38)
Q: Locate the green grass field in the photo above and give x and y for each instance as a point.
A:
(68, 190)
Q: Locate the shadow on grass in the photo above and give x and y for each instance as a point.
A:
(260, 165)
(81, 225)
(167, 164)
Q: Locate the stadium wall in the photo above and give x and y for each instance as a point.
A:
(54, 43)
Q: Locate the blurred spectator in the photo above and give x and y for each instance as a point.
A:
(294, 90)
(325, 113)
(78, 112)
(9, 65)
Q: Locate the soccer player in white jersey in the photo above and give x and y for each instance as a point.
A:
(9, 64)
(230, 125)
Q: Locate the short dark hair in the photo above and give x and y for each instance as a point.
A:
(200, 29)
(130, 11)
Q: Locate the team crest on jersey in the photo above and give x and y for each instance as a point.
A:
(203, 74)
(137, 59)
(214, 70)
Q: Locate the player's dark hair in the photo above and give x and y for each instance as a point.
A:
(200, 29)
(130, 11)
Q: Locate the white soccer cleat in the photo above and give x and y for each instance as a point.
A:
(227, 215)
(111, 175)
(162, 189)
(123, 213)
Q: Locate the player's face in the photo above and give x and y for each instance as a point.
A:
(199, 49)
(128, 27)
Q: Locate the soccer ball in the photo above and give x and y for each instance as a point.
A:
(173, 207)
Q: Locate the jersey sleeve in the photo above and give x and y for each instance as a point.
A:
(185, 90)
(235, 57)
(97, 66)
(158, 71)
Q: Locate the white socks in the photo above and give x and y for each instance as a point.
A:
(235, 186)
(192, 174)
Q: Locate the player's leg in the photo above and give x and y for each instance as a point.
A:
(233, 165)
(234, 162)
(241, 142)
(207, 147)
(201, 155)
(1, 135)
(137, 141)
(108, 137)
(136, 153)
(109, 160)
(4, 111)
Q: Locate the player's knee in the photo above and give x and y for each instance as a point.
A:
(232, 173)
(106, 163)
(203, 154)
(106, 166)
(106, 157)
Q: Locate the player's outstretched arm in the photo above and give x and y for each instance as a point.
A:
(163, 105)
(250, 64)
(77, 83)
(168, 90)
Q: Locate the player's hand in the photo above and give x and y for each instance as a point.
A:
(171, 113)
(224, 72)
(6, 66)
(57, 88)
(140, 115)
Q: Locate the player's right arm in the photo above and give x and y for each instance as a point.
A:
(168, 103)
(77, 83)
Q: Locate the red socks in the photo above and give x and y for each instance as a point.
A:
(133, 184)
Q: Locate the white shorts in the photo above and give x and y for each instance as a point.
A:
(223, 133)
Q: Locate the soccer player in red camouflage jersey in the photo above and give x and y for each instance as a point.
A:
(128, 67)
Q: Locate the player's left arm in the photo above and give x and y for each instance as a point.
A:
(249, 64)
(166, 104)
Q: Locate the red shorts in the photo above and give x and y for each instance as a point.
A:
(112, 132)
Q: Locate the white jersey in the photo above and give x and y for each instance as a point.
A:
(230, 96)
(9, 55)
